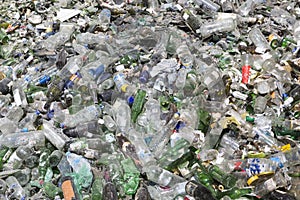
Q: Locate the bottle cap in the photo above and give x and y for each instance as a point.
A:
(252, 179)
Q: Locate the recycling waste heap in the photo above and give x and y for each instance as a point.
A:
(157, 99)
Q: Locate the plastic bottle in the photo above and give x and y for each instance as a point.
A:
(20, 68)
(153, 112)
(271, 184)
(71, 67)
(91, 148)
(142, 150)
(213, 136)
(123, 85)
(174, 38)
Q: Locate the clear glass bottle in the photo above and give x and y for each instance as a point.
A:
(259, 40)
(31, 139)
(161, 176)
(57, 139)
(86, 114)
(219, 26)
(14, 185)
(23, 176)
(208, 4)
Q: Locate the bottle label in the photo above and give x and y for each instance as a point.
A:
(119, 80)
(246, 74)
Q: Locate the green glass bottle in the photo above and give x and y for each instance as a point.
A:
(97, 189)
(203, 177)
(227, 180)
(44, 163)
(235, 192)
(173, 153)
(187, 157)
(54, 90)
(55, 158)
(51, 190)
(130, 177)
(286, 41)
(138, 104)
(3, 152)
(282, 131)
(164, 103)
(275, 43)
(198, 191)
(3, 37)
(31, 90)
(191, 20)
